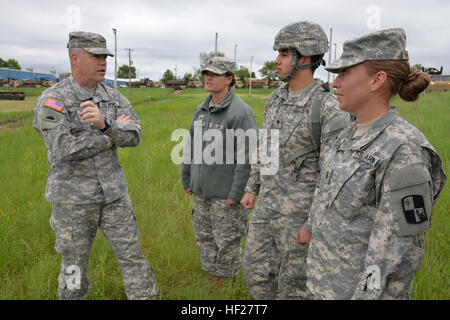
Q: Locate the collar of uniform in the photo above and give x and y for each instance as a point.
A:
(101, 94)
(374, 131)
(82, 94)
(222, 105)
(302, 99)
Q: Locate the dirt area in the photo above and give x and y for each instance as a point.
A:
(15, 124)
(17, 105)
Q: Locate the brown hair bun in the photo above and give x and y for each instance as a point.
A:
(414, 84)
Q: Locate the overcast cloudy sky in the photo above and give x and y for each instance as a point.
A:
(171, 34)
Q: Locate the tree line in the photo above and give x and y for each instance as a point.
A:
(10, 64)
(268, 71)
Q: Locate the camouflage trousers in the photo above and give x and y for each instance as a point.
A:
(75, 228)
(218, 233)
(263, 252)
(292, 276)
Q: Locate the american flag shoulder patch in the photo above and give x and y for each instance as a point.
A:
(54, 104)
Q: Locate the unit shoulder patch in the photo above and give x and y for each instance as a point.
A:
(414, 209)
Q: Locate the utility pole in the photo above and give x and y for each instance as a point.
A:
(235, 46)
(129, 68)
(215, 47)
(334, 74)
(250, 85)
(329, 55)
(115, 58)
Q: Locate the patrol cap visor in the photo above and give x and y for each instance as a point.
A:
(344, 62)
(98, 51)
(213, 70)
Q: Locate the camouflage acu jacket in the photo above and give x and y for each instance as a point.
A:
(285, 190)
(371, 211)
(84, 167)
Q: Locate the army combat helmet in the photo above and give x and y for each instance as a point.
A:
(303, 38)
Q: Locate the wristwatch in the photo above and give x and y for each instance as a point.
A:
(108, 124)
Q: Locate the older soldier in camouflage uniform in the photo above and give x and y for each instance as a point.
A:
(83, 122)
(218, 219)
(273, 260)
(378, 184)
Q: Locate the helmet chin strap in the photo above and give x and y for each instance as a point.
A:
(297, 66)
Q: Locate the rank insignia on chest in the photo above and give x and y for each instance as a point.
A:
(366, 157)
(414, 209)
(54, 104)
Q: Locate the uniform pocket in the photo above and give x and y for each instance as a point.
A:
(410, 199)
(108, 109)
(63, 236)
(289, 126)
(346, 191)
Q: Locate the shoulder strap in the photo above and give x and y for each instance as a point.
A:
(315, 130)
(315, 127)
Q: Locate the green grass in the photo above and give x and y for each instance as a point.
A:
(29, 265)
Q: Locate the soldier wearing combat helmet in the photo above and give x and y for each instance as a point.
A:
(83, 122)
(306, 116)
(379, 182)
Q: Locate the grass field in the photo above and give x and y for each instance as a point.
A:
(29, 265)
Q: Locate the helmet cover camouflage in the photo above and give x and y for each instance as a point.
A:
(220, 65)
(388, 44)
(308, 38)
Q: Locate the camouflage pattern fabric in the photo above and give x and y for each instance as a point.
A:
(363, 246)
(85, 175)
(292, 275)
(84, 167)
(89, 42)
(75, 228)
(218, 233)
(263, 252)
(219, 228)
(388, 44)
(308, 38)
(288, 192)
(220, 65)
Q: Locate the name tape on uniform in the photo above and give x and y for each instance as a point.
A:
(366, 157)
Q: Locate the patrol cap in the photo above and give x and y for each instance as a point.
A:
(220, 65)
(89, 42)
(388, 44)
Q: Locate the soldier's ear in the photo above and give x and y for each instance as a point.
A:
(378, 80)
(74, 58)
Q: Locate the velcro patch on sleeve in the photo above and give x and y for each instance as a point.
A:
(50, 119)
(54, 104)
(410, 199)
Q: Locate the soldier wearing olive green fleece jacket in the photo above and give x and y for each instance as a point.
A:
(213, 172)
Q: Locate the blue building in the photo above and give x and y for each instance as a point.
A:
(121, 83)
(20, 75)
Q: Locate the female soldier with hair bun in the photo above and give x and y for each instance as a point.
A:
(378, 184)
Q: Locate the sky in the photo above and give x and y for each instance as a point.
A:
(171, 34)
